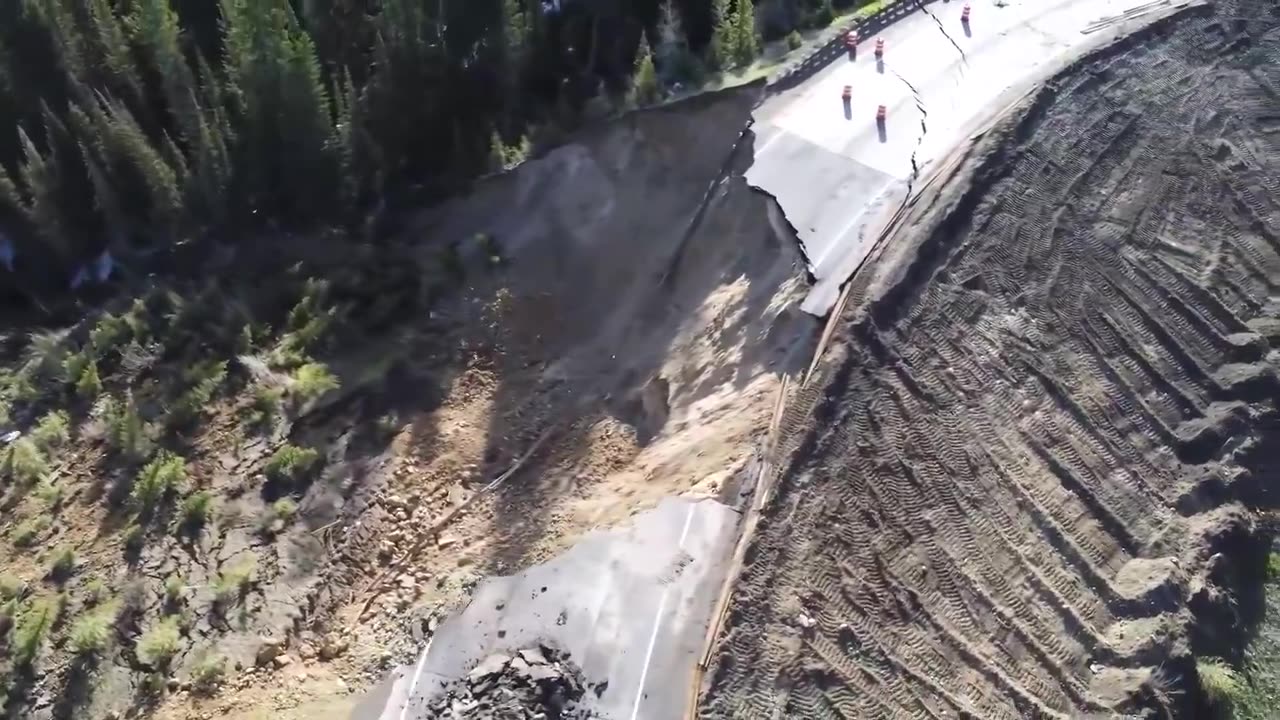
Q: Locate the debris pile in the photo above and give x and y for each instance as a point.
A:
(533, 683)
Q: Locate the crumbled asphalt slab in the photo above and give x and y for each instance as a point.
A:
(533, 683)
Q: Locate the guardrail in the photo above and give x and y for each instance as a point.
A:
(834, 47)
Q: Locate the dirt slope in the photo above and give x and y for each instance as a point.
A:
(625, 343)
(1046, 416)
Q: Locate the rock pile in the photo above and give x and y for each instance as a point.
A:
(537, 683)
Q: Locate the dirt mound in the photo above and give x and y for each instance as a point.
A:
(993, 493)
(534, 682)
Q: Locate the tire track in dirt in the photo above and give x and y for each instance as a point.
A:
(993, 484)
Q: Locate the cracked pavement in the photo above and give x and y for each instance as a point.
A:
(838, 176)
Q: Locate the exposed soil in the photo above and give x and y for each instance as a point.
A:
(1027, 484)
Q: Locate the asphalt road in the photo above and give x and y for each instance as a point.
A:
(631, 606)
(838, 175)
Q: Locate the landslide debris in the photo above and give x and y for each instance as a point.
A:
(220, 489)
(533, 683)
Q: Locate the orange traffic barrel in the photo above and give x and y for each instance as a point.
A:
(851, 38)
(879, 46)
(964, 14)
(847, 93)
(880, 112)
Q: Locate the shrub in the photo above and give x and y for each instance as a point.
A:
(284, 509)
(311, 334)
(9, 610)
(208, 673)
(44, 355)
(74, 366)
(24, 462)
(291, 463)
(309, 321)
(202, 382)
(23, 389)
(127, 434)
(88, 384)
(49, 493)
(53, 430)
(157, 480)
(63, 563)
(233, 582)
(197, 508)
(95, 591)
(278, 516)
(794, 41)
(138, 319)
(265, 408)
(10, 587)
(173, 589)
(108, 333)
(91, 634)
(134, 537)
(1222, 686)
(26, 533)
(157, 646)
(506, 157)
(245, 340)
(32, 627)
(286, 356)
(312, 380)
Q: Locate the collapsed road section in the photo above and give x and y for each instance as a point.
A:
(1025, 488)
(838, 172)
(628, 606)
(646, 317)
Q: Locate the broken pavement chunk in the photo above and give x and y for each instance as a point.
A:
(544, 673)
(491, 665)
(533, 656)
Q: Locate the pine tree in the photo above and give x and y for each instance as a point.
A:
(154, 28)
(644, 79)
(105, 200)
(826, 13)
(721, 51)
(112, 55)
(673, 47)
(138, 169)
(13, 207)
(745, 45)
(210, 151)
(287, 166)
(516, 32)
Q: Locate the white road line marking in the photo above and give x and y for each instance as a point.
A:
(417, 674)
(657, 622)
(777, 135)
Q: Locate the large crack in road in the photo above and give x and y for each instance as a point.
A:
(924, 9)
(924, 129)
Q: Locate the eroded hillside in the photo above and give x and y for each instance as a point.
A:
(248, 498)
